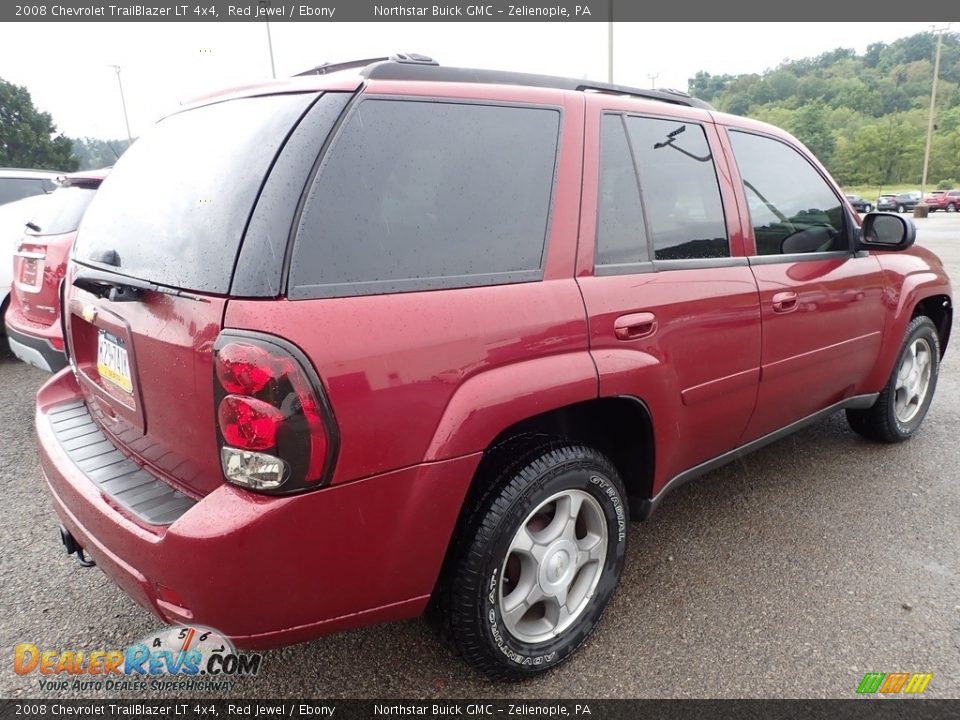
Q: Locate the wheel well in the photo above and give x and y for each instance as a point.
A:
(619, 427)
(940, 310)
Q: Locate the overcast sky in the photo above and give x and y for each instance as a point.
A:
(65, 65)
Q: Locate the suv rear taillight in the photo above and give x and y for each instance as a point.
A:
(276, 430)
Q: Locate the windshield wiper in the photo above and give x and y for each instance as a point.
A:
(123, 289)
(33, 226)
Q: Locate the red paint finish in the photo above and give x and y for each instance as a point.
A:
(168, 420)
(38, 268)
(269, 571)
(419, 384)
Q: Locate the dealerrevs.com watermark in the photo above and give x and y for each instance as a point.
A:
(175, 659)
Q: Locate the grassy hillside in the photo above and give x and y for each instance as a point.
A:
(864, 116)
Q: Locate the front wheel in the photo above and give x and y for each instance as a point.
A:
(538, 562)
(952, 207)
(868, 208)
(901, 209)
(903, 403)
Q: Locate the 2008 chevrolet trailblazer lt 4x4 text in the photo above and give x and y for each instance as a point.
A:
(411, 335)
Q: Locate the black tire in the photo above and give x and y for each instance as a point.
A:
(880, 422)
(469, 593)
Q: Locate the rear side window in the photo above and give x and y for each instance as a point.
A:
(792, 208)
(621, 234)
(416, 195)
(176, 204)
(681, 195)
(62, 212)
(12, 189)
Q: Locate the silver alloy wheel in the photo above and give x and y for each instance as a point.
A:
(552, 566)
(913, 380)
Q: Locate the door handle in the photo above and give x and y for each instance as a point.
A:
(635, 326)
(784, 302)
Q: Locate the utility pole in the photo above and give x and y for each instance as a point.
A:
(123, 103)
(653, 80)
(273, 68)
(610, 45)
(933, 106)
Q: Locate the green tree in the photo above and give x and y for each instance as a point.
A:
(95, 153)
(28, 137)
(810, 127)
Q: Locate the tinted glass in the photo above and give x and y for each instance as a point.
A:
(417, 195)
(792, 208)
(64, 209)
(621, 235)
(176, 203)
(681, 196)
(18, 188)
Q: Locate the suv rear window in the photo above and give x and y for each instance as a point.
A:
(416, 195)
(176, 204)
(12, 189)
(62, 212)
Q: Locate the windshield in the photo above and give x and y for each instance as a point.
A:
(175, 206)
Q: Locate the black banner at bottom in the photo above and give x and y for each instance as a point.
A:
(865, 709)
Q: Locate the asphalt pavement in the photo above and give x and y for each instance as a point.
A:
(788, 574)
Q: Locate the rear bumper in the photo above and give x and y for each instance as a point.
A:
(33, 343)
(267, 571)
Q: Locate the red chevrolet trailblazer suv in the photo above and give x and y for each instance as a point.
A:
(409, 333)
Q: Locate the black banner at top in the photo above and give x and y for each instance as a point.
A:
(483, 11)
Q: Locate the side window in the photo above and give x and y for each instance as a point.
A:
(417, 195)
(681, 195)
(621, 235)
(792, 208)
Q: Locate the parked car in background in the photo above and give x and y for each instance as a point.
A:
(33, 317)
(16, 184)
(13, 219)
(948, 200)
(859, 204)
(901, 202)
(410, 333)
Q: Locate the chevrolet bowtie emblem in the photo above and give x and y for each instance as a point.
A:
(89, 313)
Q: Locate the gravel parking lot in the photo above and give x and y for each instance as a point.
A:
(789, 574)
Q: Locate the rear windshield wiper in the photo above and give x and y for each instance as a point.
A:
(33, 226)
(123, 289)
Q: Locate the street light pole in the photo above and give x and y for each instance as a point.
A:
(933, 107)
(653, 80)
(123, 103)
(610, 43)
(273, 68)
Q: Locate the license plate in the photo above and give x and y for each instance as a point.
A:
(112, 361)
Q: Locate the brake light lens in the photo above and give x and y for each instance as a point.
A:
(276, 430)
(244, 369)
(249, 423)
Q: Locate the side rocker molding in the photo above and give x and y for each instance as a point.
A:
(645, 510)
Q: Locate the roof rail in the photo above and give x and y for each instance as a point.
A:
(420, 67)
(403, 58)
(334, 67)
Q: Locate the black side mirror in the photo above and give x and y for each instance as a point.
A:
(887, 231)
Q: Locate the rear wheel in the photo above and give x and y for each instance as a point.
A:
(868, 208)
(901, 209)
(903, 403)
(538, 562)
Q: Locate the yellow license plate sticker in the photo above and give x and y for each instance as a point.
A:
(113, 363)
